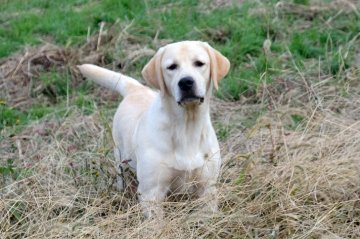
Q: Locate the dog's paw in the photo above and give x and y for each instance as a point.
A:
(153, 212)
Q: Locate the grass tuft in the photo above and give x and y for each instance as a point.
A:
(286, 116)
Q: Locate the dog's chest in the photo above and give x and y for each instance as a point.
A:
(188, 147)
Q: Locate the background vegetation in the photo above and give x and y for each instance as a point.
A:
(287, 116)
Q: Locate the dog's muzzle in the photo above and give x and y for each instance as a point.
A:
(187, 89)
(194, 100)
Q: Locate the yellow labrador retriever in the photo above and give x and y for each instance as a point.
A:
(167, 136)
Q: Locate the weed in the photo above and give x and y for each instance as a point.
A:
(7, 170)
(10, 172)
(297, 121)
(303, 2)
(222, 131)
(85, 103)
(55, 85)
(10, 116)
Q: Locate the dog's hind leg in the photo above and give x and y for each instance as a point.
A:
(120, 180)
(125, 168)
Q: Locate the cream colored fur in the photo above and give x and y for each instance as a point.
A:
(166, 138)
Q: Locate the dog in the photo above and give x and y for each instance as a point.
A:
(167, 136)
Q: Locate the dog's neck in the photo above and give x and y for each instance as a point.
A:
(187, 127)
(186, 115)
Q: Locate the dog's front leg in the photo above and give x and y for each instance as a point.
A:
(209, 196)
(152, 190)
(207, 191)
(151, 200)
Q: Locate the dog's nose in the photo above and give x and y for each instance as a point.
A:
(186, 83)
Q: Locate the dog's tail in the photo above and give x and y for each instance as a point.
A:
(110, 79)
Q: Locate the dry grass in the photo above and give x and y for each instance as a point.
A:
(20, 86)
(276, 182)
(280, 178)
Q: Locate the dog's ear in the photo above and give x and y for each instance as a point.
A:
(219, 65)
(152, 72)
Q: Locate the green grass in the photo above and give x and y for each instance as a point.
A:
(303, 2)
(318, 48)
(222, 131)
(55, 84)
(15, 117)
(238, 31)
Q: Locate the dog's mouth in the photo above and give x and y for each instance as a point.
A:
(191, 100)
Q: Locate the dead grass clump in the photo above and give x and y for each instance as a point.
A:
(278, 180)
(20, 83)
(302, 182)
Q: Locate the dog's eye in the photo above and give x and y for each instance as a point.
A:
(199, 63)
(172, 67)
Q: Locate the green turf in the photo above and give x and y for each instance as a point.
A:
(238, 31)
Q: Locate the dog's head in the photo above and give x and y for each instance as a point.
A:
(185, 70)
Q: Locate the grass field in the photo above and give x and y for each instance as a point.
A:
(287, 117)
